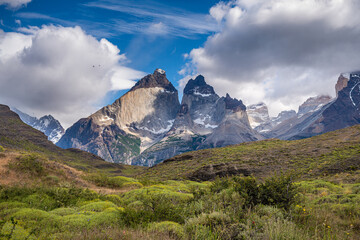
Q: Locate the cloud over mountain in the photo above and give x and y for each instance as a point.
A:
(280, 51)
(60, 71)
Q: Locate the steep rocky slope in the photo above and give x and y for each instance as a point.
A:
(121, 131)
(46, 124)
(204, 120)
(340, 113)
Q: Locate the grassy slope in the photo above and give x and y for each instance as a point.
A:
(334, 154)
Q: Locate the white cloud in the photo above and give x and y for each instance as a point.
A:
(156, 18)
(60, 71)
(280, 51)
(14, 3)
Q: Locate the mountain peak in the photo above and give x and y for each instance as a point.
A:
(198, 86)
(157, 79)
(159, 71)
(234, 104)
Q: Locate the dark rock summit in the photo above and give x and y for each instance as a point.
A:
(234, 104)
(198, 87)
(157, 79)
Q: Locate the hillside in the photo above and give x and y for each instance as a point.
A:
(330, 154)
(17, 137)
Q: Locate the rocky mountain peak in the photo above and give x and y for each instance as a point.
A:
(258, 114)
(198, 86)
(341, 83)
(157, 79)
(234, 104)
(313, 104)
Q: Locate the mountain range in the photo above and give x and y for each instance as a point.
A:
(148, 124)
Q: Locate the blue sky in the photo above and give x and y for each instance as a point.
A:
(152, 34)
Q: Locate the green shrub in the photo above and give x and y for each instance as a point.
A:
(32, 164)
(63, 211)
(40, 201)
(248, 189)
(207, 226)
(97, 206)
(2, 149)
(174, 230)
(279, 191)
(103, 180)
(12, 230)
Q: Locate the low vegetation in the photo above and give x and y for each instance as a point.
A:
(227, 208)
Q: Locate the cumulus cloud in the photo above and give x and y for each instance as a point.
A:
(280, 51)
(60, 71)
(14, 3)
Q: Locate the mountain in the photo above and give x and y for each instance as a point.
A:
(134, 122)
(46, 124)
(287, 123)
(307, 112)
(258, 114)
(204, 120)
(329, 115)
(148, 124)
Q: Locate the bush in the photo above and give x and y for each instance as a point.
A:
(279, 191)
(173, 229)
(97, 206)
(31, 164)
(2, 149)
(248, 189)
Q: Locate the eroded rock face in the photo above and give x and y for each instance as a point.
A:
(204, 120)
(258, 114)
(341, 84)
(121, 131)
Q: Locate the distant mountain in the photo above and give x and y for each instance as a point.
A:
(148, 125)
(340, 113)
(46, 124)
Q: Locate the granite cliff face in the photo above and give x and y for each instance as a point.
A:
(121, 131)
(46, 124)
(204, 120)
